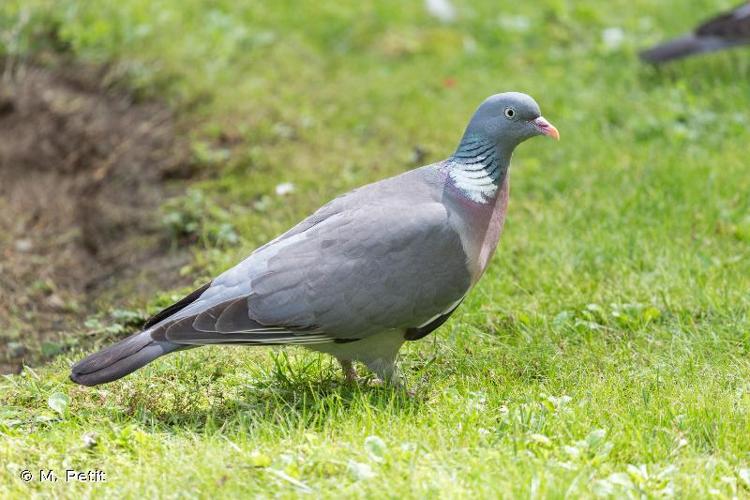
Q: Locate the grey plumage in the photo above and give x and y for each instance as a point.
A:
(387, 262)
(727, 30)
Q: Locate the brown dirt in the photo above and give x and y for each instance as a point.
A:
(83, 169)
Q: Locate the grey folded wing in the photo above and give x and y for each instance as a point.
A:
(355, 268)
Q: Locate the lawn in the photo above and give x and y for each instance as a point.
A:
(605, 353)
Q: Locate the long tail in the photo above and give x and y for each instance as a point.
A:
(120, 359)
(685, 46)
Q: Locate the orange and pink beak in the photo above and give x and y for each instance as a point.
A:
(546, 128)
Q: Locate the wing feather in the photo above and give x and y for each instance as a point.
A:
(383, 257)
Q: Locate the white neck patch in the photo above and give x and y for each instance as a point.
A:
(476, 170)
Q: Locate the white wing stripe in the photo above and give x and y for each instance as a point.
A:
(450, 308)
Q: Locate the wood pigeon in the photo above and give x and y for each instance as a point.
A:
(726, 30)
(380, 265)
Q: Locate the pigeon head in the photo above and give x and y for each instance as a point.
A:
(501, 123)
(507, 120)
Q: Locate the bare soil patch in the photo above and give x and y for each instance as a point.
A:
(83, 170)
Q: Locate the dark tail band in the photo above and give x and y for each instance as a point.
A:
(120, 359)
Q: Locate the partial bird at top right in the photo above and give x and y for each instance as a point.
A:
(727, 30)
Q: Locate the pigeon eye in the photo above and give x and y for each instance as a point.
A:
(510, 113)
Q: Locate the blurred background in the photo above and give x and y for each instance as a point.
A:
(147, 145)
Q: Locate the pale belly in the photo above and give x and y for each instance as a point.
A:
(384, 345)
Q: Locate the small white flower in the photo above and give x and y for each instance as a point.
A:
(729, 480)
(24, 245)
(284, 188)
(478, 401)
(441, 9)
(620, 479)
(89, 439)
(375, 447)
(572, 451)
(603, 488)
(515, 23)
(470, 45)
(744, 475)
(613, 38)
(360, 471)
(408, 446)
(540, 439)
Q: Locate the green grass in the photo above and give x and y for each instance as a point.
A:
(607, 350)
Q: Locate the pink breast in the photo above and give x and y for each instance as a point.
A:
(481, 224)
(493, 229)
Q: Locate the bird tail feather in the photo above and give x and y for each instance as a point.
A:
(120, 359)
(684, 46)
